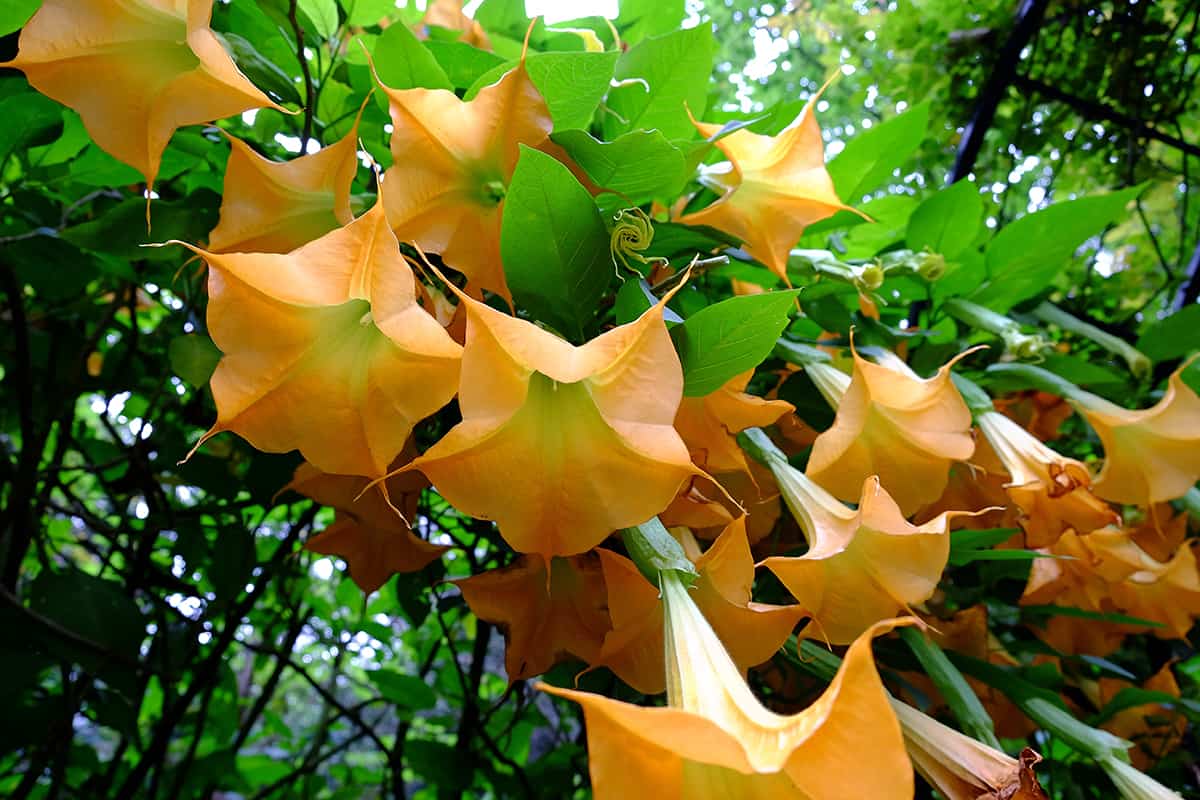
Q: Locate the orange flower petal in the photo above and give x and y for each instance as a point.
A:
(326, 349)
(135, 71)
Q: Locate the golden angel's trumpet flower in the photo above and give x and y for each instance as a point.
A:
(1051, 490)
(772, 188)
(892, 423)
(715, 740)
(708, 424)
(367, 533)
(1107, 573)
(961, 768)
(326, 349)
(1152, 455)
(275, 207)
(562, 445)
(751, 632)
(548, 611)
(449, 14)
(453, 161)
(134, 70)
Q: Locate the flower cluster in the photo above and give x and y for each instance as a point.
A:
(342, 334)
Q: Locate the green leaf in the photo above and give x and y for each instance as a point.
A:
(27, 117)
(948, 221)
(978, 539)
(503, 16)
(407, 691)
(15, 13)
(403, 62)
(640, 165)
(1071, 611)
(193, 357)
(573, 84)
(641, 18)
(265, 74)
(362, 13)
(730, 337)
(462, 63)
(1026, 255)
(890, 215)
(1173, 337)
(323, 14)
(872, 156)
(669, 75)
(554, 244)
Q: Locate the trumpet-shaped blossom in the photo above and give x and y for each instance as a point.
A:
(367, 533)
(453, 160)
(862, 565)
(562, 445)
(714, 740)
(961, 768)
(275, 207)
(134, 70)
(751, 632)
(549, 610)
(894, 424)
(1150, 455)
(1051, 490)
(708, 424)
(772, 188)
(326, 349)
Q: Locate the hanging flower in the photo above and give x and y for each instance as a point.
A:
(1150, 455)
(367, 533)
(548, 610)
(135, 71)
(961, 768)
(715, 740)
(894, 424)
(275, 207)
(708, 424)
(326, 349)
(772, 188)
(562, 445)
(453, 160)
(1051, 490)
(862, 565)
(751, 632)
(449, 14)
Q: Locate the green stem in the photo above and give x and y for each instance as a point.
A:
(1041, 379)
(975, 397)
(962, 701)
(1020, 345)
(799, 353)
(1139, 363)
(654, 550)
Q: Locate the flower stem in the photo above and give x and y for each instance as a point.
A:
(1139, 363)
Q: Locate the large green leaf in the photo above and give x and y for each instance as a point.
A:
(573, 84)
(640, 165)
(462, 63)
(323, 14)
(872, 156)
(1173, 337)
(667, 75)
(641, 18)
(554, 244)
(948, 221)
(403, 62)
(14, 14)
(1026, 255)
(730, 337)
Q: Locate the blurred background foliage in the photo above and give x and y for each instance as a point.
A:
(164, 634)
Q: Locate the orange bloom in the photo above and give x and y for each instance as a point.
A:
(1150, 455)
(862, 565)
(708, 424)
(275, 207)
(367, 533)
(973, 489)
(751, 632)
(959, 767)
(1040, 413)
(772, 188)
(1108, 573)
(1050, 489)
(1155, 729)
(449, 14)
(453, 160)
(1160, 531)
(326, 349)
(548, 612)
(134, 70)
(891, 423)
(716, 740)
(562, 445)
